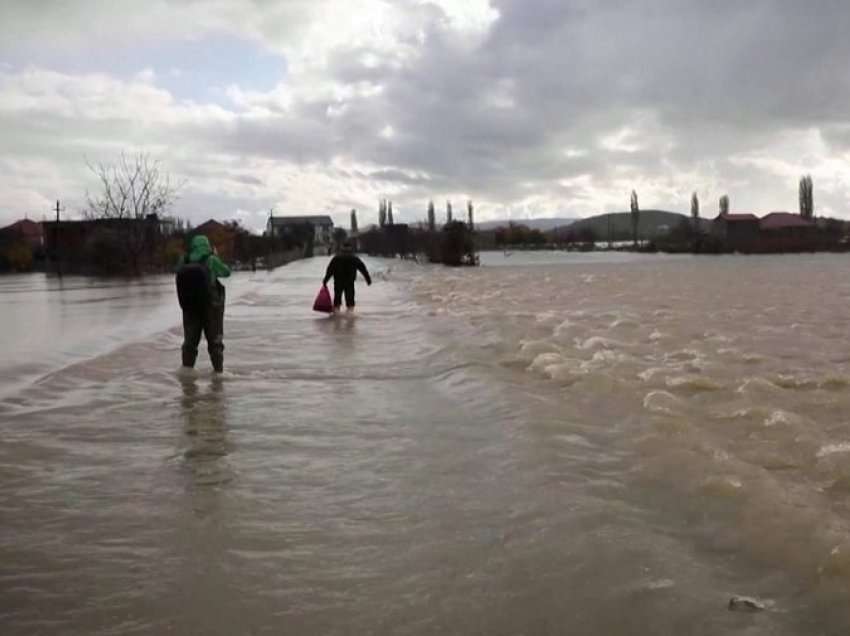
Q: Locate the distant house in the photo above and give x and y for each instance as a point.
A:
(21, 244)
(24, 231)
(774, 232)
(736, 231)
(77, 243)
(290, 226)
(210, 227)
(221, 235)
(167, 225)
(784, 231)
(787, 224)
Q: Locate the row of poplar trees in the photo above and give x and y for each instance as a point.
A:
(385, 215)
(807, 206)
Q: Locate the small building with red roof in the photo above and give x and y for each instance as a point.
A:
(24, 231)
(21, 245)
(784, 221)
(738, 231)
(221, 235)
(787, 232)
(774, 232)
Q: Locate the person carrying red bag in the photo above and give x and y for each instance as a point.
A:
(343, 269)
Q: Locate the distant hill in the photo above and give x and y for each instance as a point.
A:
(651, 223)
(544, 225)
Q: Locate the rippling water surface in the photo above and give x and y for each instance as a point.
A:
(548, 444)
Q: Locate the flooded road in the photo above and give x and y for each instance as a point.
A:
(587, 444)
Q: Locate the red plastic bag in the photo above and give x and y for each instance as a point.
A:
(323, 301)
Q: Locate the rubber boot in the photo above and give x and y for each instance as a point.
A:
(189, 357)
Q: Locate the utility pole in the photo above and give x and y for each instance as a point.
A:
(56, 241)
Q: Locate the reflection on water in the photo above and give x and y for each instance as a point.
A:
(205, 414)
(603, 444)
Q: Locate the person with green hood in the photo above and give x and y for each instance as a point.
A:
(201, 297)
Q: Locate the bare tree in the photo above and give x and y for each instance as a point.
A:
(390, 213)
(695, 211)
(807, 206)
(724, 204)
(448, 211)
(354, 221)
(133, 188)
(469, 212)
(432, 219)
(133, 192)
(633, 204)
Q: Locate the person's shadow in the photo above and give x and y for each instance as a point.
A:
(207, 446)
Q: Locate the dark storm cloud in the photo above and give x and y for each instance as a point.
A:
(718, 77)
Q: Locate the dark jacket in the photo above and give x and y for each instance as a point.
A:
(343, 269)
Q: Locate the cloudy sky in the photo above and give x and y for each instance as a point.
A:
(528, 107)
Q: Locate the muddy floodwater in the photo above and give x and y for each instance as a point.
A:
(548, 444)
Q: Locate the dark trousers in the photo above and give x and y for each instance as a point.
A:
(210, 322)
(341, 289)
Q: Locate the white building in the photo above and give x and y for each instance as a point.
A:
(323, 227)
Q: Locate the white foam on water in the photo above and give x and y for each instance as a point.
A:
(728, 351)
(662, 402)
(596, 342)
(683, 355)
(607, 355)
(694, 383)
(832, 449)
(788, 381)
(623, 323)
(532, 348)
(545, 317)
(758, 385)
(648, 374)
(565, 373)
(564, 327)
(722, 486)
(834, 382)
(544, 360)
(779, 417)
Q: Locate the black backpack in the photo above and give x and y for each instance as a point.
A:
(193, 285)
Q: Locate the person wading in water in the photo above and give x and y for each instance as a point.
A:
(201, 298)
(343, 269)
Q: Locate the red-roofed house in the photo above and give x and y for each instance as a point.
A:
(774, 232)
(20, 245)
(736, 231)
(786, 232)
(24, 231)
(784, 221)
(221, 235)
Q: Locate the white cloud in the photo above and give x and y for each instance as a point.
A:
(146, 76)
(528, 108)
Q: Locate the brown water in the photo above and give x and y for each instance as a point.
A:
(589, 444)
